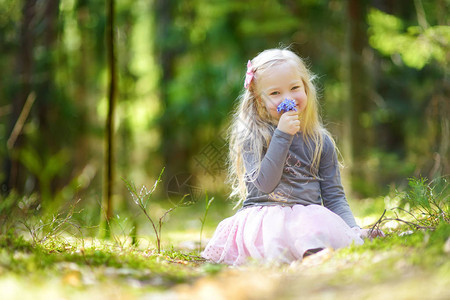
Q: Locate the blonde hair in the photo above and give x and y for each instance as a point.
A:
(252, 127)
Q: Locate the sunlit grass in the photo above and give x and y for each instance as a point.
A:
(76, 264)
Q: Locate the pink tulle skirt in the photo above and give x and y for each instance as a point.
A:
(278, 234)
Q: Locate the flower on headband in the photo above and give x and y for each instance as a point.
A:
(286, 105)
(249, 75)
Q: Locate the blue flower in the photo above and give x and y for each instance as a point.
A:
(286, 105)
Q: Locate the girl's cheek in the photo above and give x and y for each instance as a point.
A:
(304, 104)
(273, 104)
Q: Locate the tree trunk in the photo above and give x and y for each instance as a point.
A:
(13, 170)
(109, 177)
(46, 88)
(83, 151)
(358, 129)
(173, 148)
(45, 95)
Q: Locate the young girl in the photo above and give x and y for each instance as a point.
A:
(283, 165)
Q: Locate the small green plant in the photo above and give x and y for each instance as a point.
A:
(208, 203)
(430, 200)
(125, 232)
(50, 228)
(425, 205)
(142, 199)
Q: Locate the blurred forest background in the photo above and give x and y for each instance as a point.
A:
(176, 69)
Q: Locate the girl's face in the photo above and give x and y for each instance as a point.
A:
(280, 82)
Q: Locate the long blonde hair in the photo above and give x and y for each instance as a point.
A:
(252, 127)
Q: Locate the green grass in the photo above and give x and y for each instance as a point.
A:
(71, 264)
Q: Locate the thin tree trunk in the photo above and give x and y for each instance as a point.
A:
(112, 82)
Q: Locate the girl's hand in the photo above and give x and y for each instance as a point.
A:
(370, 234)
(289, 122)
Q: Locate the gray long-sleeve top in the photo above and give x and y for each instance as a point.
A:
(285, 177)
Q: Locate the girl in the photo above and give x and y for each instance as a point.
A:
(283, 165)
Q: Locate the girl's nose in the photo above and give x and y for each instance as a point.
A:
(289, 97)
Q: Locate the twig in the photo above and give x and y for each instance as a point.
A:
(417, 226)
(409, 213)
(161, 219)
(377, 223)
(32, 232)
(154, 227)
(21, 120)
(421, 17)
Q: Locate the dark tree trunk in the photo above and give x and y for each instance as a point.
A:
(359, 85)
(13, 170)
(172, 146)
(45, 95)
(359, 127)
(82, 151)
(109, 175)
(46, 74)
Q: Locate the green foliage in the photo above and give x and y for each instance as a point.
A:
(429, 202)
(180, 72)
(46, 170)
(416, 45)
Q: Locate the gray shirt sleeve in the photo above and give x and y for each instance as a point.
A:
(332, 191)
(272, 164)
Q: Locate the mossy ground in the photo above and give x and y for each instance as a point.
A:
(400, 266)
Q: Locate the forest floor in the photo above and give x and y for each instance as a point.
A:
(405, 264)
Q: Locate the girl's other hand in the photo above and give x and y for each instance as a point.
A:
(289, 122)
(370, 234)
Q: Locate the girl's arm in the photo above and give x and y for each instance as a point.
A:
(332, 191)
(272, 164)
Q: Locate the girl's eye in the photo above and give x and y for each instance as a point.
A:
(274, 93)
(295, 87)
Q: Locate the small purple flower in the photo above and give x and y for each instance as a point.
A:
(286, 105)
